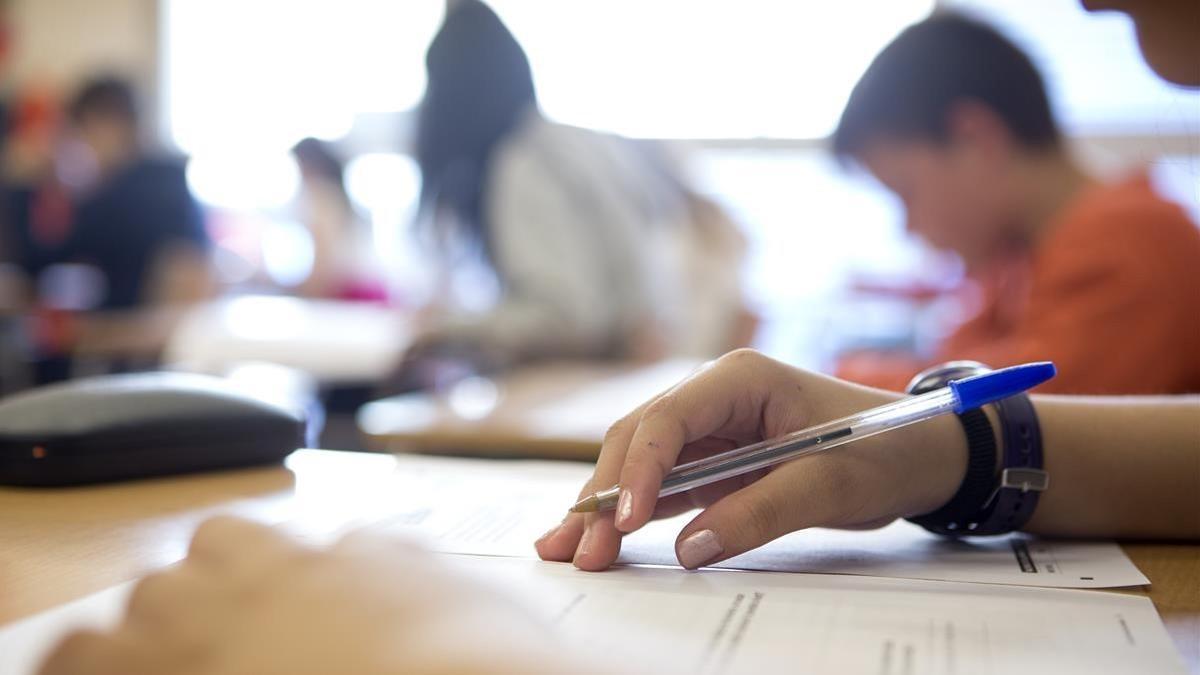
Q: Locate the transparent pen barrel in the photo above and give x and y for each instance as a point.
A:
(808, 441)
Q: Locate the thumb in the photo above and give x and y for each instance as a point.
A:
(812, 492)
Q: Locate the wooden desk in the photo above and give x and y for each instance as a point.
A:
(58, 545)
(556, 411)
(1174, 574)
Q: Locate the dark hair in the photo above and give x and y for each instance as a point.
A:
(108, 96)
(910, 86)
(479, 85)
(319, 157)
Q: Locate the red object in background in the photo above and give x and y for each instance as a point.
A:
(365, 290)
(36, 110)
(36, 117)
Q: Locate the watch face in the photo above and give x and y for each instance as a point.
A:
(937, 376)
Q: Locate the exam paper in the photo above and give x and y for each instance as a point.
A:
(718, 621)
(908, 551)
(499, 508)
(731, 622)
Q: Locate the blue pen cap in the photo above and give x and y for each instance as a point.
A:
(979, 390)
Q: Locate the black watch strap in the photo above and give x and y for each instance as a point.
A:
(984, 503)
(978, 483)
(1022, 478)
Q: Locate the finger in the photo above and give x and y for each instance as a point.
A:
(565, 540)
(238, 546)
(817, 491)
(600, 544)
(183, 612)
(93, 653)
(560, 543)
(705, 495)
(711, 401)
(157, 596)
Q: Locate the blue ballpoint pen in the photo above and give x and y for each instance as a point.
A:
(958, 396)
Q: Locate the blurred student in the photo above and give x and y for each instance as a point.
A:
(590, 237)
(136, 253)
(1098, 277)
(36, 206)
(35, 219)
(136, 221)
(344, 263)
(244, 593)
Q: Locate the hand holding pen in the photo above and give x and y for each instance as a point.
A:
(742, 399)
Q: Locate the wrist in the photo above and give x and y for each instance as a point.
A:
(928, 460)
(936, 456)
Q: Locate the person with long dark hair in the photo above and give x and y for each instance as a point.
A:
(585, 233)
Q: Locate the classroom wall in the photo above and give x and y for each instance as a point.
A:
(60, 42)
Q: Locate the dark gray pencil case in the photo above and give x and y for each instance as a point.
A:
(117, 427)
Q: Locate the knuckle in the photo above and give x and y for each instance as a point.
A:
(661, 406)
(214, 533)
(742, 357)
(151, 592)
(617, 430)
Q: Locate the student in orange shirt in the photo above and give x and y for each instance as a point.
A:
(1099, 278)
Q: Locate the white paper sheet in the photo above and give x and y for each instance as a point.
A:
(720, 621)
(499, 508)
(731, 622)
(906, 551)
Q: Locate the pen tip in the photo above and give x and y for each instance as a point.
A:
(588, 504)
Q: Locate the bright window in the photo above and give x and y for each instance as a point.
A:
(1096, 76)
(703, 69)
(262, 74)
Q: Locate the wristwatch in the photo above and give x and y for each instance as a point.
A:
(990, 500)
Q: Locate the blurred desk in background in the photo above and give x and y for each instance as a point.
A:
(559, 410)
(336, 343)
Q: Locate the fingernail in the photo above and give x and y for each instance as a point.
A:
(549, 533)
(699, 548)
(624, 506)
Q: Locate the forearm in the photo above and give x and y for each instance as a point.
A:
(1120, 467)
